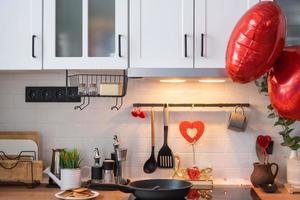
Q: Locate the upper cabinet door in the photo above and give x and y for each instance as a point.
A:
(214, 22)
(161, 33)
(85, 34)
(21, 34)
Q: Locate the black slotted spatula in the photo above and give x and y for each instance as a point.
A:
(165, 158)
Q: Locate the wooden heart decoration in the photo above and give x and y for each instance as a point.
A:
(191, 131)
(264, 141)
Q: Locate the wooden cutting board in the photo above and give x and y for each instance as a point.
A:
(12, 142)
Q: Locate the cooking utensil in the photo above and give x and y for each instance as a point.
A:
(165, 158)
(155, 189)
(151, 164)
(237, 120)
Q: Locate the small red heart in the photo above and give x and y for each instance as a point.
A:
(134, 113)
(194, 194)
(264, 141)
(191, 131)
(142, 114)
(193, 173)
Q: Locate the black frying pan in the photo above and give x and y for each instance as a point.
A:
(156, 189)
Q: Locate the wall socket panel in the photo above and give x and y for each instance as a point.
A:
(51, 94)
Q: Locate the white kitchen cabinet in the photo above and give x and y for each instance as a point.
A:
(21, 34)
(85, 34)
(214, 22)
(161, 33)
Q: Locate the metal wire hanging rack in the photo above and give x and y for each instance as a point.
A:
(119, 80)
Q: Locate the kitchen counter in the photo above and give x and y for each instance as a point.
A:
(282, 194)
(43, 193)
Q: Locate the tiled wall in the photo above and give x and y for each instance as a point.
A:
(231, 154)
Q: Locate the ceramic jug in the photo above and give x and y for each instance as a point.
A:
(262, 174)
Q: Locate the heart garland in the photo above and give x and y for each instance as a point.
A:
(191, 131)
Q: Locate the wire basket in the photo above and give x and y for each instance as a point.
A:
(99, 80)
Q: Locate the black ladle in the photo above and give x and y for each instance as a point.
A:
(151, 164)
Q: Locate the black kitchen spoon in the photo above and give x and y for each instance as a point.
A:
(151, 164)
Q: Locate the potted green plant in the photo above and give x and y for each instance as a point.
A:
(290, 141)
(70, 173)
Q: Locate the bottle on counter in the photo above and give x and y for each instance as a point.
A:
(97, 168)
(108, 171)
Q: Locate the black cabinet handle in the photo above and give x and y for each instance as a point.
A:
(33, 45)
(185, 46)
(202, 44)
(119, 44)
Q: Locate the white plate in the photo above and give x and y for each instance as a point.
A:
(95, 194)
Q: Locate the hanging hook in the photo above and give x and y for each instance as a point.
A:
(83, 105)
(192, 107)
(83, 102)
(116, 105)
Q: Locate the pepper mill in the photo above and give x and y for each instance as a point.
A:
(97, 168)
(120, 156)
(108, 171)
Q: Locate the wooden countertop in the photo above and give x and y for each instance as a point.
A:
(281, 194)
(43, 193)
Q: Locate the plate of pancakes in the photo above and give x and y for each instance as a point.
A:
(77, 194)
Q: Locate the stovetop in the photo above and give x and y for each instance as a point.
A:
(220, 194)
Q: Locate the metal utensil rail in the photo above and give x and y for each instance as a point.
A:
(150, 105)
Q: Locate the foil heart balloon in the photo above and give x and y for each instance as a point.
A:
(284, 84)
(256, 42)
(263, 141)
(191, 131)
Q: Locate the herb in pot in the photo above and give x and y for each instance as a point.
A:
(70, 159)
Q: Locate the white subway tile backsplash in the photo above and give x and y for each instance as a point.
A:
(231, 154)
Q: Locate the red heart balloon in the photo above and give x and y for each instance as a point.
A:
(256, 42)
(193, 173)
(264, 141)
(284, 83)
(191, 131)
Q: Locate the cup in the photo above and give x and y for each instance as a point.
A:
(237, 119)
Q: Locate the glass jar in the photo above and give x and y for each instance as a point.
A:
(82, 89)
(93, 90)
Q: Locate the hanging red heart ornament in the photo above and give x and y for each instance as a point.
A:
(264, 141)
(191, 131)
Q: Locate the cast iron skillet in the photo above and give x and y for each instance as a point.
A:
(155, 189)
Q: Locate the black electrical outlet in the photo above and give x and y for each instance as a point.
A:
(52, 94)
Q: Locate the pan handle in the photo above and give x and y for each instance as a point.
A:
(108, 186)
(125, 189)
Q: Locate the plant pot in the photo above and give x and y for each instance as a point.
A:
(70, 179)
(293, 169)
